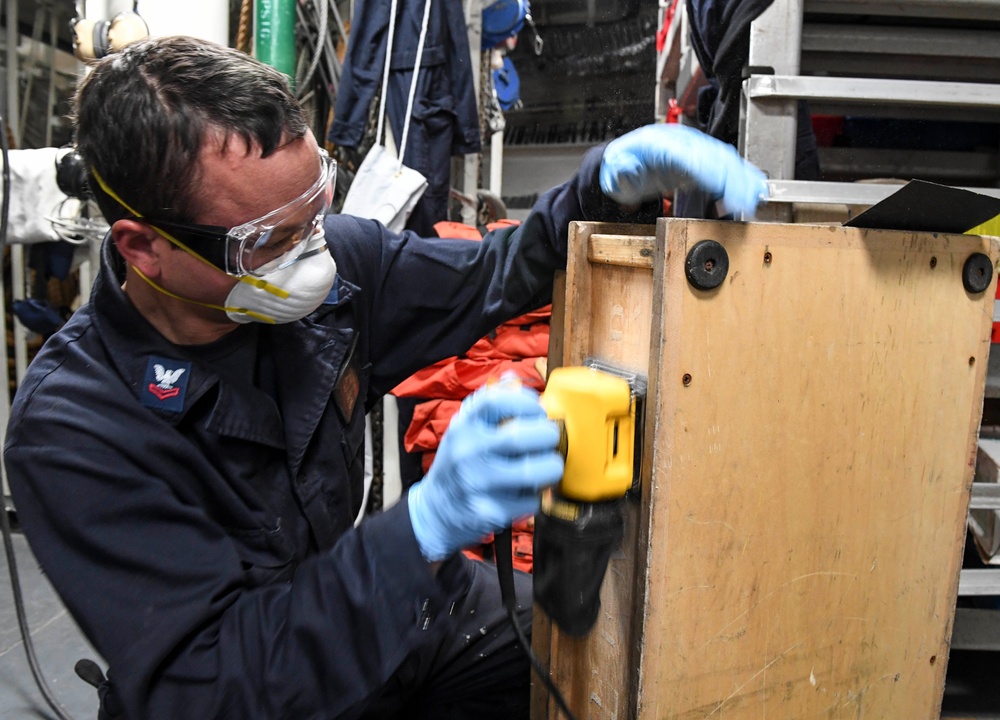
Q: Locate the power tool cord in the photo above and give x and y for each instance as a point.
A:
(22, 620)
(503, 554)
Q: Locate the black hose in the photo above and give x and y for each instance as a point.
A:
(503, 555)
(22, 620)
(8, 542)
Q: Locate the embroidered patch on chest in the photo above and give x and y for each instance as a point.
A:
(347, 390)
(165, 384)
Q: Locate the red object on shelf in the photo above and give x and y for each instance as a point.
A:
(668, 19)
(673, 111)
(995, 335)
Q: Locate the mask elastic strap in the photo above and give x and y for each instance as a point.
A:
(258, 283)
(241, 311)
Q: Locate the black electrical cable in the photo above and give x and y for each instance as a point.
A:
(503, 555)
(22, 620)
(8, 541)
(318, 47)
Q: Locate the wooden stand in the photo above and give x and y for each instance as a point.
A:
(810, 440)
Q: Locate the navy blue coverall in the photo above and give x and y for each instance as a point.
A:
(445, 118)
(198, 524)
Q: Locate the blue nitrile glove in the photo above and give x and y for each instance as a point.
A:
(498, 453)
(649, 162)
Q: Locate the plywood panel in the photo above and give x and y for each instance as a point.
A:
(814, 450)
(609, 291)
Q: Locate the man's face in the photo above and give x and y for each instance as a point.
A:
(234, 188)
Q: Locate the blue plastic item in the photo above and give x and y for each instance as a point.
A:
(503, 19)
(507, 84)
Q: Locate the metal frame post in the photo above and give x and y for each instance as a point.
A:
(768, 130)
(470, 165)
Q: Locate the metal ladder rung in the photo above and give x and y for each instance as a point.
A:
(874, 90)
(985, 496)
(979, 582)
(844, 193)
(950, 9)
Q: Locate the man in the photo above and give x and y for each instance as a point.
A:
(186, 455)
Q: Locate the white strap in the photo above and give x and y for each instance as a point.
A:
(413, 83)
(385, 72)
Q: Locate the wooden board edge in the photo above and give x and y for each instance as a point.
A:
(991, 247)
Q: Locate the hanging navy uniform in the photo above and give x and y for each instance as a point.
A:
(445, 111)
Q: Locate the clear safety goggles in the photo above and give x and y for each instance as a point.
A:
(268, 243)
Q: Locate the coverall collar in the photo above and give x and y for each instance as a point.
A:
(308, 357)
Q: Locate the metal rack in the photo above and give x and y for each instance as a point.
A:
(948, 69)
(985, 496)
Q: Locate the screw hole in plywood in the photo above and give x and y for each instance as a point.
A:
(686, 379)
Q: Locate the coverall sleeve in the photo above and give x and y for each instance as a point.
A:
(434, 298)
(159, 589)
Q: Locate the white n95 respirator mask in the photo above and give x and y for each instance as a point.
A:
(290, 291)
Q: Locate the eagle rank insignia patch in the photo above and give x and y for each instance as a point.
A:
(165, 384)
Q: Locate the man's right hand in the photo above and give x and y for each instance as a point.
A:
(497, 455)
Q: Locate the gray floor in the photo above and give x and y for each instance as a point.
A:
(972, 691)
(58, 645)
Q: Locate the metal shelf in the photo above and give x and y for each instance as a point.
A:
(920, 53)
(949, 167)
(985, 496)
(841, 193)
(876, 91)
(947, 9)
(976, 629)
(943, 71)
(979, 582)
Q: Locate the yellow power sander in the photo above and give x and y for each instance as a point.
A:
(599, 412)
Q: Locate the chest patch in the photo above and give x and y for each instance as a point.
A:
(165, 384)
(347, 390)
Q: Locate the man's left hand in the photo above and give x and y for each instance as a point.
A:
(654, 160)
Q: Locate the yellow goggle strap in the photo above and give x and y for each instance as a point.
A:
(241, 311)
(259, 283)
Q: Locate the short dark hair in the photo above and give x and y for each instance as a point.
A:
(143, 115)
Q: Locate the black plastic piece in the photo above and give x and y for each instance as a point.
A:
(71, 176)
(570, 559)
(977, 274)
(707, 265)
(102, 43)
(90, 672)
